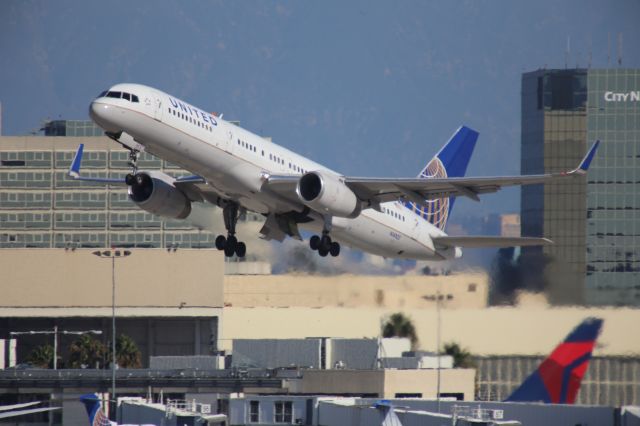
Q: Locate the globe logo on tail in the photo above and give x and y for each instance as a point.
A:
(436, 210)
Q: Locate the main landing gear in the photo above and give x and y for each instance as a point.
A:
(323, 244)
(230, 243)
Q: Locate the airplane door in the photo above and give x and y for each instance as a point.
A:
(157, 107)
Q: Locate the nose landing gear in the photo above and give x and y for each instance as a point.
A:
(230, 243)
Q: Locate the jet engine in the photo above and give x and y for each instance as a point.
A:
(327, 193)
(156, 193)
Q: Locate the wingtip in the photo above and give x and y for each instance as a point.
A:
(586, 161)
(74, 170)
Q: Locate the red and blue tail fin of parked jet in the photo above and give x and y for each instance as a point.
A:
(557, 379)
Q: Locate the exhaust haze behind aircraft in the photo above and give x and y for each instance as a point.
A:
(557, 379)
(238, 171)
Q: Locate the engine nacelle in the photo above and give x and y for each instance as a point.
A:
(156, 193)
(326, 193)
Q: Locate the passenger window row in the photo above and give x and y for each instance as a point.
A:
(296, 168)
(248, 146)
(393, 214)
(281, 161)
(275, 158)
(272, 157)
(119, 95)
(191, 120)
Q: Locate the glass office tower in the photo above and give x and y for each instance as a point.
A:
(594, 221)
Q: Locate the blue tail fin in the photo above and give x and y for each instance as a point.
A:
(450, 161)
(557, 379)
(94, 410)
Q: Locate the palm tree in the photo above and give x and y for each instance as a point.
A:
(87, 352)
(399, 325)
(127, 353)
(41, 356)
(462, 358)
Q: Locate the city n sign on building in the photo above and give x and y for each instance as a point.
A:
(622, 97)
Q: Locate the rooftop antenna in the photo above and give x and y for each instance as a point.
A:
(620, 49)
(608, 50)
(566, 55)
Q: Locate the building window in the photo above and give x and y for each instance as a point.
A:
(472, 287)
(223, 406)
(283, 412)
(254, 411)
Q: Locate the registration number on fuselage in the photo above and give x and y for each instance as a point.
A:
(395, 235)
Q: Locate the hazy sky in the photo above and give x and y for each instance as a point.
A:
(368, 88)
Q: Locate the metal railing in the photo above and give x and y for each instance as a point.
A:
(173, 406)
(475, 413)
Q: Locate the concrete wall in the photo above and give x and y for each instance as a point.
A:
(341, 382)
(393, 292)
(39, 143)
(492, 331)
(388, 383)
(146, 278)
(425, 382)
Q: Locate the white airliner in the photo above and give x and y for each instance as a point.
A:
(236, 169)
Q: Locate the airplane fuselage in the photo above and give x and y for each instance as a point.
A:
(235, 162)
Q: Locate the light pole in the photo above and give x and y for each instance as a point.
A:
(55, 338)
(438, 336)
(113, 254)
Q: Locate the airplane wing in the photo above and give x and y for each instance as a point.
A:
(74, 171)
(489, 241)
(8, 414)
(374, 191)
(417, 190)
(18, 406)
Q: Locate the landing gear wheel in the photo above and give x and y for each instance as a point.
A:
(322, 252)
(325, 243)
(314, 242)
(241, 249)
(129, 179)
(334, 249)
(221, 242)
(232, 241)
(232, 245)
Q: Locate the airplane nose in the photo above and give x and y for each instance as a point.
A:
(102, 115)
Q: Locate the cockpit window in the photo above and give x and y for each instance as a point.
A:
(120, 95)
(101, 95)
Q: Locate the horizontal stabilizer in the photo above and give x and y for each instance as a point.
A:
(484, 241)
